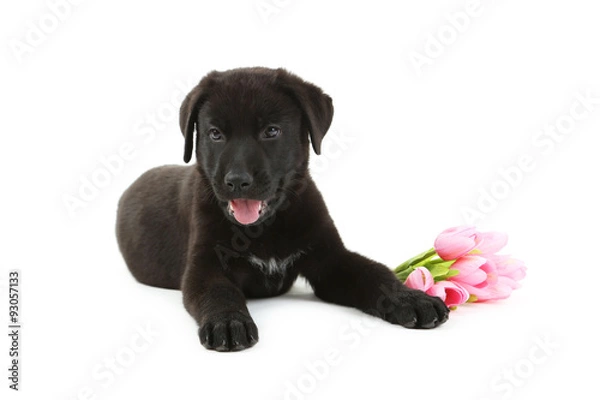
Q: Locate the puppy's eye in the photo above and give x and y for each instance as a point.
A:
(215, 135)
(271, 132)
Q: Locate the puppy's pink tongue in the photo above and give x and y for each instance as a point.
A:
(245, 211)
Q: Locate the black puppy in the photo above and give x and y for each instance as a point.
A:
(248, 219)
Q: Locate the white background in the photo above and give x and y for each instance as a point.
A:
(414, 149)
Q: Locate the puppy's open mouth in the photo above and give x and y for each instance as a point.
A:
(246, 211)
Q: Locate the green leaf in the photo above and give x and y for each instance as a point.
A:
(426, 261)
(415, 260)
(402, 275)
(449, 273)
(452, 272)
(438, 270)
(440, 260)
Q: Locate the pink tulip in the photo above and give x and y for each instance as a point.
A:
(510, 270)
(477, 275)
(469, 265)
(488, 277)
(451, 293)
(456, 242)
(491, 242)
(495, 291)
(474, 271)
(420, 279)
(437, 291)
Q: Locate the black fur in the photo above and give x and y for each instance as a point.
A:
(175, 230)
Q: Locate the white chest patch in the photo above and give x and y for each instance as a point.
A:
(274, 265)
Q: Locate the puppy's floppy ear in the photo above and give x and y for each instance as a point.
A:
(316, 106)
(188, 113)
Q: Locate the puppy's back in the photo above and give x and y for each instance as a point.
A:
(152, 225)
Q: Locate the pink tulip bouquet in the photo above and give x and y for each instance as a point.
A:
(463, 267)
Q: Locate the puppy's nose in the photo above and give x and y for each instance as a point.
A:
(238, 181)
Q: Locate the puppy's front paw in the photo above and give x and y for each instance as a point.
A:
(228, 332)
(413, 309)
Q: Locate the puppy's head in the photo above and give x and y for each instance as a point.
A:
(253, 126)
